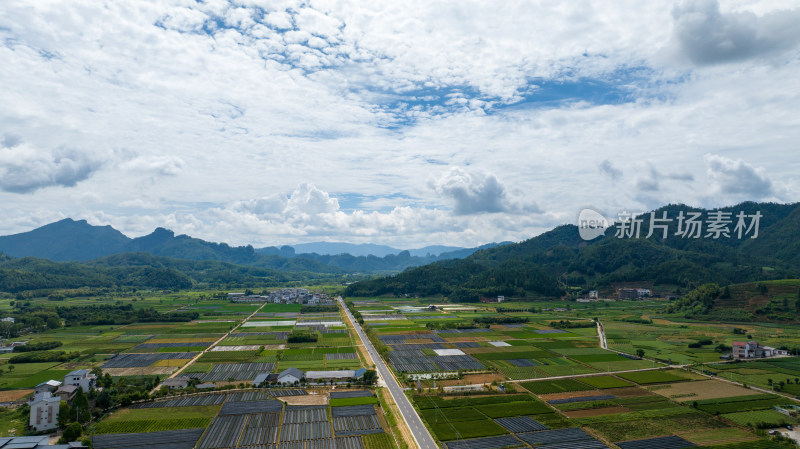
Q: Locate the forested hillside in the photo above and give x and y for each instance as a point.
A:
(550, 263)
(140, 270)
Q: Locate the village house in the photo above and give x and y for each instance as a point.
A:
(81, 378)
(290, 376)
(44, 412)
(743, 350)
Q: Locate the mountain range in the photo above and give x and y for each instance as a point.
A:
(360, 249)
(77, 241)
(560, 263)
(555, 264)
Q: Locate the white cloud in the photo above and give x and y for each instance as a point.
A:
(471, 192)
(378, 99)
(705, 35)
(156, 165)
(24, 169)
(730, 177)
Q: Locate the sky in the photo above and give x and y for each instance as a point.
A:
(405, 123)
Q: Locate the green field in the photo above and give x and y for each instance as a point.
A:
(652, 377)
(555, 386)
(353, 401)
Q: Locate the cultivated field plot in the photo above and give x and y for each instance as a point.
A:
(415, 361)
(505, 441)
(260, 429)
(669, 442)
(521, 424)
(600, 397)
(188, 401)
(240, 396)
(653, 377)
(248, 407)
(701, 389)
(199, 344)
(357, 425)
(132, 420)
(274, 335)
(411, 338)
(172, 439)
(342, 356)
(351, 394)
(219, 348)
(477, 417)
(235, 371)
(224, 432)
(563, 438)
(299, 414)
(306, 431)
(144, 360)
(277, 392)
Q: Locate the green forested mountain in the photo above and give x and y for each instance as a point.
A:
(78, 241)
(141, 270)
(559, 261)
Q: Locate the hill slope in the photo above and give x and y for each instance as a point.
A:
(560, 257)
(70, 240)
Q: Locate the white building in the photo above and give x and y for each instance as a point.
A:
(44, 412)
(8, 319)
(46, 387)
(81, 378)
(289, 376)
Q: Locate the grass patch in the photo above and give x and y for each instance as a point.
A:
(378, 441)
(555, 386)
(759, 418)
(652, 377)
(353, 401)
(447, 431)
(513, 409)
(602, 382)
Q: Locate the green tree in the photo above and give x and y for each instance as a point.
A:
(65, 415)
(370, 377)
(80, 407)
(640, 353)
(71, 433)
(103, 400)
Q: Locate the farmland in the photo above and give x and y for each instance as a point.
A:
(548, 372)
(481, 378)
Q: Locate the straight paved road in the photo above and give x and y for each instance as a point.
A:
(420, 433)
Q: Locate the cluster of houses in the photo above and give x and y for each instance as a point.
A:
(288, 377)
(284, 296)
(491, 300)
(47, 397)
(744, 350)
(633, 293)
(293, 376)
(9, 346)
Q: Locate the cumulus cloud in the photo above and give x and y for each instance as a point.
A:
(156, 165)
(305, 200)
(476, 192)
(705, 35)
(24, 168)
(310, 200)
(472, 193)
(737, 177)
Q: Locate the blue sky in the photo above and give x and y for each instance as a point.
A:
(402, 123)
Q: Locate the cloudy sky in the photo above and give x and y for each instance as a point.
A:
(401, 122)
